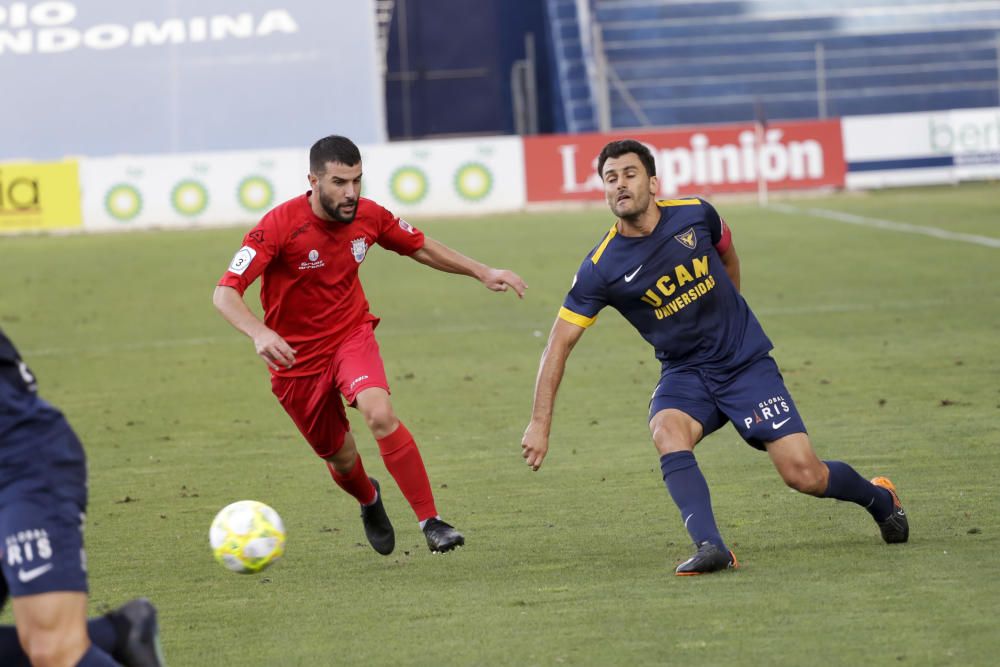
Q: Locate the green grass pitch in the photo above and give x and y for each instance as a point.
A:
(888, 341)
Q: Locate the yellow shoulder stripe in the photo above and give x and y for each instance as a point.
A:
(604, 244)
(574, 318)
(662, 203)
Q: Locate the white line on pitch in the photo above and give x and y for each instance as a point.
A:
(878, 223)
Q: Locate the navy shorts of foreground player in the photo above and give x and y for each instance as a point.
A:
(753, 398)
(41, 513)
(43, 495)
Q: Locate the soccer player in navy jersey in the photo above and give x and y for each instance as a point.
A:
(43, 496)
(318, 337)
(670, 268)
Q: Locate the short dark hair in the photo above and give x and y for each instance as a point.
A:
(623, 146)
(333, 148)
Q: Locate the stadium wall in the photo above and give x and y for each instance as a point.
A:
(107, 77)
(469, 177)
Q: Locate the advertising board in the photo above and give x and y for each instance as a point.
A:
(702, 160)
(39, 196)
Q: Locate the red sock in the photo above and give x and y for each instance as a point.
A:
(355, 482)
(402, 460)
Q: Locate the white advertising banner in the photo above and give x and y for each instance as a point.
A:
(189, 190)
(447, 176)
(428, 178)
(922, 148)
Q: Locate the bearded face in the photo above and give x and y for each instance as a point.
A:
(336, 192)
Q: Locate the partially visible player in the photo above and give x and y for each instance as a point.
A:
(670, 268)
(43, 497)
(318, 336)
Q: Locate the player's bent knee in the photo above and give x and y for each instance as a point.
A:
(674, 432)
(381, 421)
(806, 480)
(668, 444)
(798, 465)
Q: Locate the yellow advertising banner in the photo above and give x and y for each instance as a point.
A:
(38, 196)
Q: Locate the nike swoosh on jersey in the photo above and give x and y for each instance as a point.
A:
(630, 276)
(24, 576)
(778, 425)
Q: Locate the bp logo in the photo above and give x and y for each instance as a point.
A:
(473, 181)
(255, 193)
(123, 202)
(189, 198)
(408, 184)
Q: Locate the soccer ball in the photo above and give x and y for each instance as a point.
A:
(247, 536)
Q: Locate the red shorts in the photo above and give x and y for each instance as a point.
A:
(313, 401)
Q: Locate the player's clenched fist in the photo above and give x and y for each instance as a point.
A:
(534, 446)
(273, 349)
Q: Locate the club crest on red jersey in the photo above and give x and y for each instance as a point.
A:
(687, 238)
(358, 248)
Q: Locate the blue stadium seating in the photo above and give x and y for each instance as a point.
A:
(574, 93)
(682, 62)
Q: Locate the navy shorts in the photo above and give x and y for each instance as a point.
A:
(754, 399)
(42, 545)
(43, 498)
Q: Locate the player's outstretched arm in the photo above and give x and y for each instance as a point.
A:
(562, 339)
(270, 347)
(439, 256)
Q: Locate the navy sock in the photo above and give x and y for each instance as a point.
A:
(95, 657)
(10, 648)
(688, 488)
(103, 633)
(846, 484)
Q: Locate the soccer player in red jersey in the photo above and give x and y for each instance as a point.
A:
(317, 336)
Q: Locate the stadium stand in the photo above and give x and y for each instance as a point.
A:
(570, 50)
(670, 62)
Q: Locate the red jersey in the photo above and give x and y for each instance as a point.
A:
(310, 290)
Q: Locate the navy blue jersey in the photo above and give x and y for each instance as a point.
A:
(43, 489)
(19, 401)
(673, 288)
(38, 450)
(13, 371)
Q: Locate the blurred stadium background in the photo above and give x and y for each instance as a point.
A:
(184, 113)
